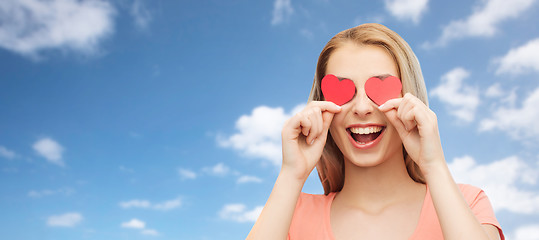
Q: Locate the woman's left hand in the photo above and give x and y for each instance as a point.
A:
(417, 127)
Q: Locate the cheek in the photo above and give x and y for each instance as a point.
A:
(336, 128)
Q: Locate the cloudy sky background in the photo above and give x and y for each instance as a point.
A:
(161, 119)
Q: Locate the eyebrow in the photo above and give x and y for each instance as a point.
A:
(382, 77)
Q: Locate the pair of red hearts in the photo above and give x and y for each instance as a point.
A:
(343, 91)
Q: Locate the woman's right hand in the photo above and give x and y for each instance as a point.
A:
(304, 137)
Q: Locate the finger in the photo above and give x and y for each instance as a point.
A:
(305, 125)
(327, 118)
(328, 106)
(313, 133)
(408, 119)
(406, 114)
(396, 122)
(320, 125)
(390, 104)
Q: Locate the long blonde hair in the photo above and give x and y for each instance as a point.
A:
(331, 165)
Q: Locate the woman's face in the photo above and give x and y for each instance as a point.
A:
(360, 130)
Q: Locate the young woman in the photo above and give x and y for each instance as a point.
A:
(382, 167)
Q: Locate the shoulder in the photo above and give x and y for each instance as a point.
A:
(312, 202)
(311, 216)
(469, 190)
(471, 193)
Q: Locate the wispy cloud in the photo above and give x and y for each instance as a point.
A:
(151, 232)
(163, 206)
(407, 9)
(48, 192)
(135, 203)
(51, 150)
(65, 220)
(6, 153)
(139, 224)
(125, 169)
(520, 60)
(518, 122)
(507, 192)
(483, 22)
(134, 223)
(186, 173)
(248, 179)
(282, 10)
(306, 33)
(461, 99)
(140, 14)
(526, 232)
(220, 169)
(239, 213)
(168, 205)
(259, 134)
(31, 26)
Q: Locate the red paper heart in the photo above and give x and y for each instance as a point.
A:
(338, 92)
(379, 91)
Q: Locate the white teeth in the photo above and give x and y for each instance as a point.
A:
(367, 130)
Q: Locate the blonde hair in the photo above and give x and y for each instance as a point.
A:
(331, 165)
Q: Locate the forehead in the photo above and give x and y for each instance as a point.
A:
(360, 61)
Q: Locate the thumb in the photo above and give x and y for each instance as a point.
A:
(327, 117)
(396, 122)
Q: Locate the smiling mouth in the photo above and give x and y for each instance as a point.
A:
(365, 135)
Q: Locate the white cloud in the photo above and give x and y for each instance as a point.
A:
(407, 9)
(186, 173)
(520, 123)
(462, 100)
(134, 223)
(47, 192)
(282, 10)
(135, 203)
(494, 91)
(140, 14)
(259, 134)
(306, 33)
(50, 150)
(219, 169)
(521, 59)
(483, 22)
(65, 220)
(502, 180)
(6, 153)
(239, 213)
(138, 224)
(126, 169)
(31, 26)
(248, 179)
(168, 205)
(150, 232)
(526, 232)
(163, 206)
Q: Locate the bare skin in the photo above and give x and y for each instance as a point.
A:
(379, 200)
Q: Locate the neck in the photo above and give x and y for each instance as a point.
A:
(377, 186)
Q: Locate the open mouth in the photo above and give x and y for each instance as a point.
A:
(365, 135)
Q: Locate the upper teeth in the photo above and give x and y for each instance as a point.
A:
(367, 130)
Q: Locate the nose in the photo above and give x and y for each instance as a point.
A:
(361, 104)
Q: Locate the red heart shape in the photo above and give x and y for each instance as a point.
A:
(379, 91)
(336, 91)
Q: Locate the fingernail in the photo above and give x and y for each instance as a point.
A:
(381, 106)
(312, 141)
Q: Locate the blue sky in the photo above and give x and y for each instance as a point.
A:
(161, 119)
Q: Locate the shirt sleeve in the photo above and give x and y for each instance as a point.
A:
(481, 207)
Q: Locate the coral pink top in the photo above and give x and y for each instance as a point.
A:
(312, 216)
